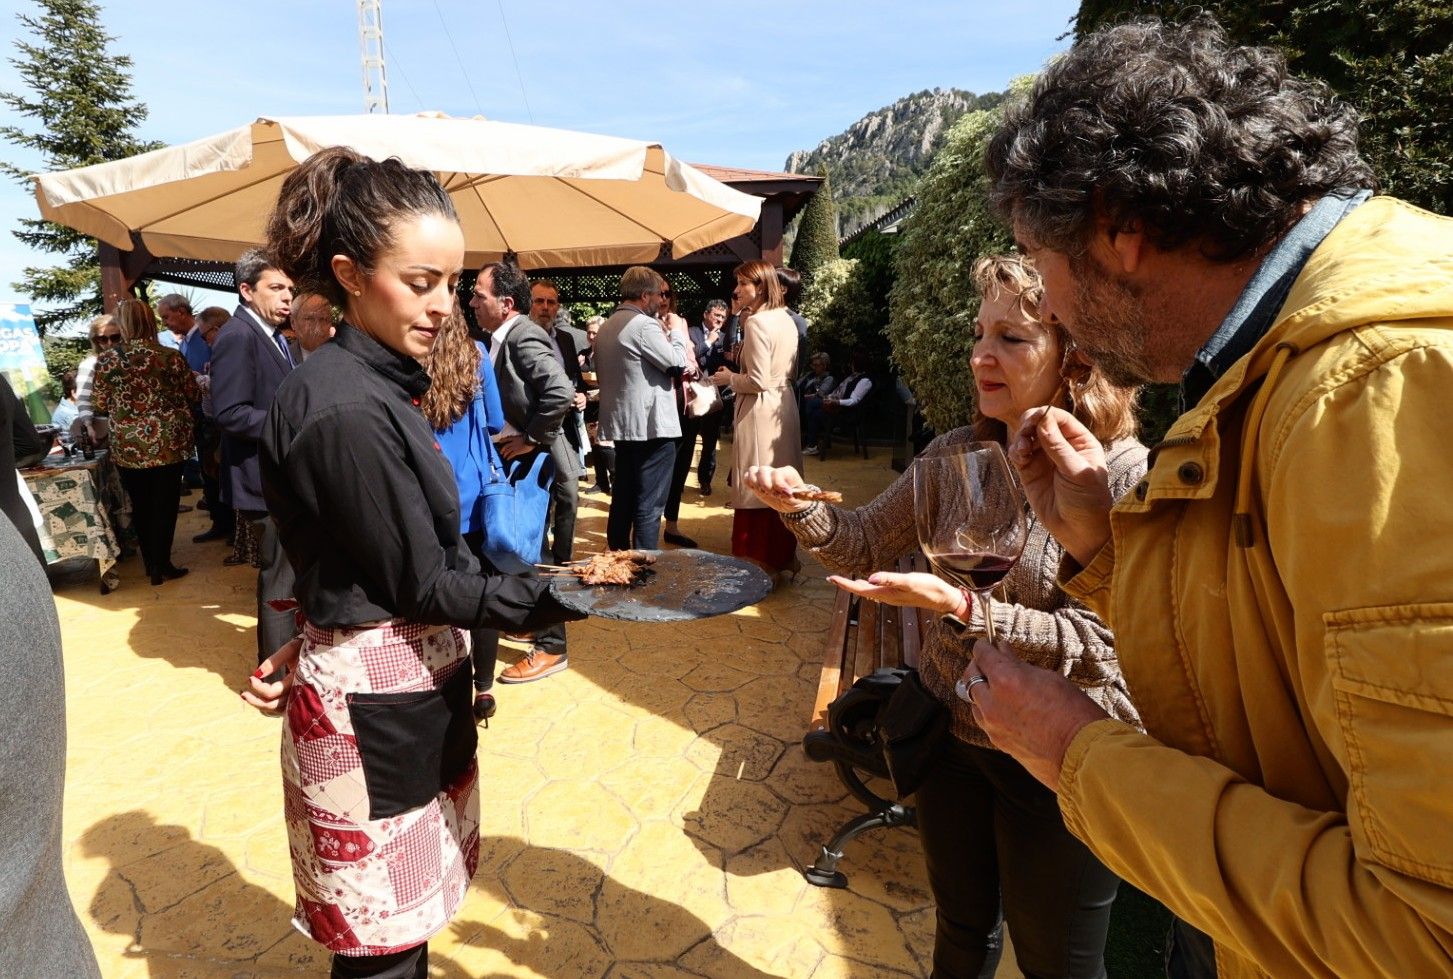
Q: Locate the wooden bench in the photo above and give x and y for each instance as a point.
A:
(865, 636)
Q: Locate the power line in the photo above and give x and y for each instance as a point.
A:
(511, 41)
(458, 60)
(393, 60)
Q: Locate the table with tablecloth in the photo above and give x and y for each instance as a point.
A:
(81, 506)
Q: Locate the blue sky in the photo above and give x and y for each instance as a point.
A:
(739, 84)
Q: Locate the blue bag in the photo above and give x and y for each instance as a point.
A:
(514, 498)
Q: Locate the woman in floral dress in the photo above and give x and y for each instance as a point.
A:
(148, 392)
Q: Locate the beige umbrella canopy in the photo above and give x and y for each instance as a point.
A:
(554, 198)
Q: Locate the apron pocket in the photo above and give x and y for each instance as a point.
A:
(413, 745)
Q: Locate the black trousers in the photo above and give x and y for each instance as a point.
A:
(209, 442)
(274, 581)
(155, 493)
(685, 448)
(411, 963)
(604, 459)
(997, 851)
(560, 520)
(642, 480)
(710, 429)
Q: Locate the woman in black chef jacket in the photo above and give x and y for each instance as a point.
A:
(379, 777)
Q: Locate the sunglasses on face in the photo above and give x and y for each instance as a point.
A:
(105, 338)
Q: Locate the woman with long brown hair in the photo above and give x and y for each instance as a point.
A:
(463, 406)
(766, 430)
(148, 392)
(380, 783)
(996, 847)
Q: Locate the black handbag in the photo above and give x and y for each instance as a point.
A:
(889, 724)
(914, 723)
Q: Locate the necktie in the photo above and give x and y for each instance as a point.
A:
(282, 344)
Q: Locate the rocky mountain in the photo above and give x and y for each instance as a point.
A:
(877, 161)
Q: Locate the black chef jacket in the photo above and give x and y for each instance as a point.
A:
(366, 505)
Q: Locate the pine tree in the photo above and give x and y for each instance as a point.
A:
(80, 94)
(816, 241)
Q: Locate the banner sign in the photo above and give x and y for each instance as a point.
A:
(22, 359)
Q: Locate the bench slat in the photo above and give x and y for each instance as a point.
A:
(864, 662)
(832, 661)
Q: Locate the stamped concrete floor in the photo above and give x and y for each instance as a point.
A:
(646, 814)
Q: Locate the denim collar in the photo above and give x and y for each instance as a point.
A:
(1256, 308)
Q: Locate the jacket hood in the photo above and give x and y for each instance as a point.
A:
(1386, 261)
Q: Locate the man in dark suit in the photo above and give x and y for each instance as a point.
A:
(537, 396)
(565, 493)
(249, 360)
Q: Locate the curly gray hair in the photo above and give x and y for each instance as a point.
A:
(1172, 128)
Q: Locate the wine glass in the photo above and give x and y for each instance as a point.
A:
(969, 510)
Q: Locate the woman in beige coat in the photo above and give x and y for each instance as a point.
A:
(766, 428)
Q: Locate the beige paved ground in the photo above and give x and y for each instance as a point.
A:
(645, 814)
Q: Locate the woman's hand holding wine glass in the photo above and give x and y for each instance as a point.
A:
(969, 511)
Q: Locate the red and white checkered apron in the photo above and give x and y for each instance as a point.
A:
(368, 887)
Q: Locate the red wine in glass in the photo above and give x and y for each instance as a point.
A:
(976, 572)
(970, 515)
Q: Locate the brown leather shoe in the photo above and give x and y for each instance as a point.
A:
(536, 665)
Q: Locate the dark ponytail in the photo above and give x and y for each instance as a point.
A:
(339, 202)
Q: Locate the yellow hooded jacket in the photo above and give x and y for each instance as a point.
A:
(1281, 589)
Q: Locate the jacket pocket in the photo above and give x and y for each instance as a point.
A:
(1392, 677)
(413, 745)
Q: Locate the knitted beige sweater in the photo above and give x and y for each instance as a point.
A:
(1043, 625)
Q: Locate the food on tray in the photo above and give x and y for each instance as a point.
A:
(614, 567)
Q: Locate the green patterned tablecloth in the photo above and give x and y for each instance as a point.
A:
(79, 502)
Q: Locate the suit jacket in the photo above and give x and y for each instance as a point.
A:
(246, 370)
(637, 364)
(536, 392)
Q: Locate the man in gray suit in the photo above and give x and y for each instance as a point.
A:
(636, 362)
(536, 394)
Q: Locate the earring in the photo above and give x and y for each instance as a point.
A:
(358, 292)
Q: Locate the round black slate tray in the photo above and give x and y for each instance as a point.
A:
(682, 585)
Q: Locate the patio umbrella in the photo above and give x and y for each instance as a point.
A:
(552, 197)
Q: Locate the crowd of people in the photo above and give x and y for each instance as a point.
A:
(1220, 670)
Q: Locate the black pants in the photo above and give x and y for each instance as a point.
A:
(209, 441)
(997, 850)
(274, 580)
(155, 493)
(411, 963)
(604, 459)
(560, 520)
(1189, 953)
(685, 448)
(710, 428)
(642, 480)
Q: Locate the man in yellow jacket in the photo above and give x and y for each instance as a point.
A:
(1281, 582)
